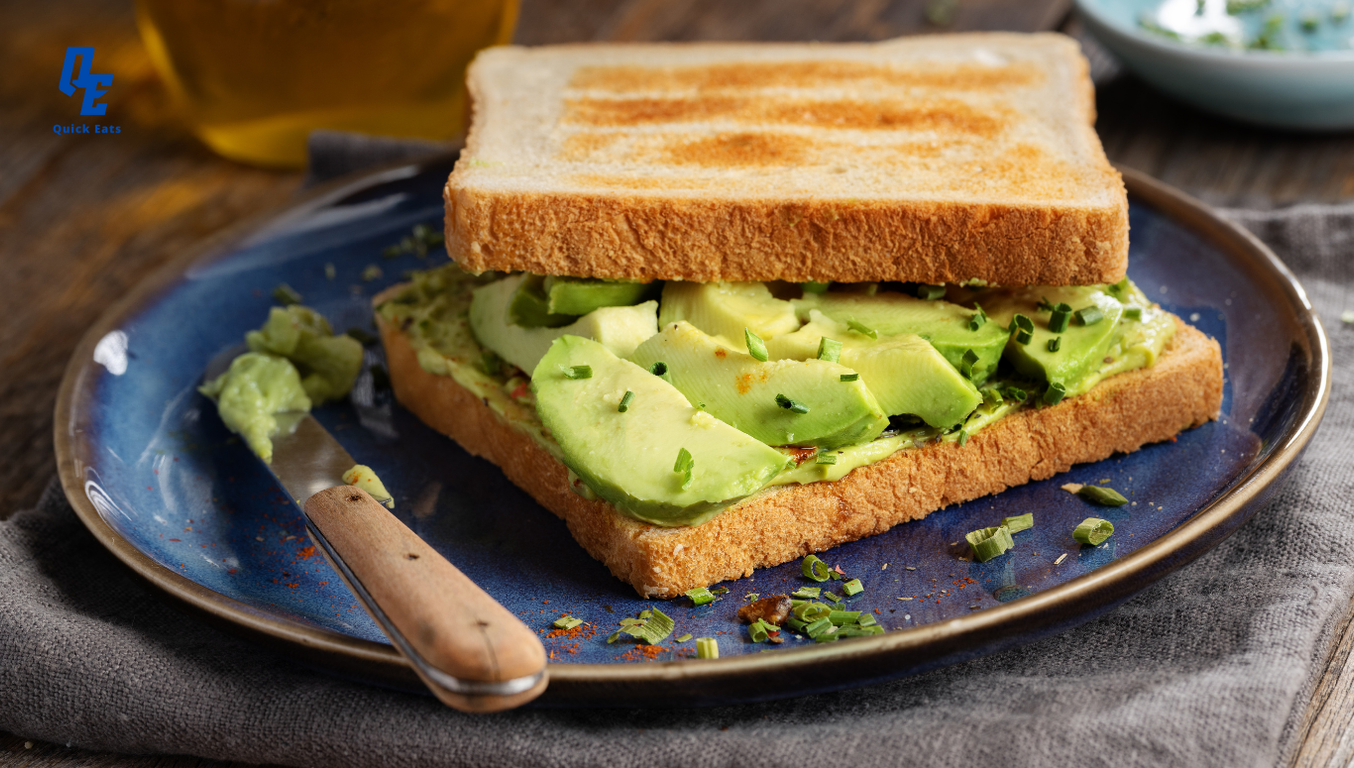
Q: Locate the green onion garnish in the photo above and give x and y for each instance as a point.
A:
(853, 587)
(930, 292)
(825, 458)
(756, 347)
(660, 369)
(1054, 394)
(829, 349)
(1019, 522)
(987, 543)
(1105, 497)
(286, 295)
(700, 596)
(976, 321)
(1055, 343)
(1043, 305)
(683, 466)
(577, 372)
(807, 593)
(813, 287)
(963, 437)
(1023, 327)
(566, 622)
(796, 625)
(833, 596)
(815, 569)
(867, 620)
(966, 363)
(683, 638)
(1133, 313)
(811, 611)
(628, 398)
(1057, 322)
(859, 630)
(757, 631)
(707, 648)
(818, 627)
(861, 328)
(1015, 393)
(1089, 315)
(849, 377)
(1093, 531)
(843, 617)
(791, 405)
(719, 591)
(652, 627)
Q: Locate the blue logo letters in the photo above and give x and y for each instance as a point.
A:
(94, 85)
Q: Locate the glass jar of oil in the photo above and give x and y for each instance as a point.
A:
(255, 77)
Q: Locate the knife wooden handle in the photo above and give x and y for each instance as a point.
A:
(452, 623)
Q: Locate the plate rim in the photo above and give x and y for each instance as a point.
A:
(898, 651)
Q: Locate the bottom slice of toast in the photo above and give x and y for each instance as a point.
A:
(779, 524)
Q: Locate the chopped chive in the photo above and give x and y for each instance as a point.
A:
(329, 271)
(1055, 343)
(757, 632)
(807, 593)
(683, 638)
(859, 630)
(660, 369)
(853, 587)
(1057, 322)
(843, 617)
(833, 596)
(1133, 313)
(976, 321)
(849, 377)
(1019, 522)
(756, 347)
(832, 635)
(684, 466)
(967, 362)
(1099, 494)
(719, 591)
(1015, 393)
(861, 328)
(1089, 315)
(1023, 328)
(963, 437)
(652, 627)
(811, 612)
(577, 372)
(825, 458)
(707, 648)
(988, 543)
(930, 292)
(372, 272)
(1093, 531)
(816, 628)
(814, 287)
(286, 295)
(829, 349)
(566, 622)
(625, 401)
(867, 620)
(791, 405)
(815, 569)
(1044, 305)
(700, 596)
(1054, 394)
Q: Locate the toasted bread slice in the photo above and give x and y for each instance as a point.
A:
(935, 159)
(1121, 414)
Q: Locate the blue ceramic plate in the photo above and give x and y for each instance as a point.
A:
(159, 480)
(1297, 88)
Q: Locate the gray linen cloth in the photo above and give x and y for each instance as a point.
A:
(1213, 666)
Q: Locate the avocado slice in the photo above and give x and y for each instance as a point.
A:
(631, 458)
(619, 329)
(905, 373)
(725, 309)
(1081, 349)
(950, 328)
(581, 295)
(759, 398)
(530, 306)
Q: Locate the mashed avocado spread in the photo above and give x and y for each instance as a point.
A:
(734, 387)
(295, 361)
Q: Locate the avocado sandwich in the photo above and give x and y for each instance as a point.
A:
(720, 306)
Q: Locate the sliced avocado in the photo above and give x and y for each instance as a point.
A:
(1081, 349)
(581, 295)
(530, 306)
(787, 402)
(619, 329)
(631, 458)
(905, 373)
(951, 329)
(725, 309)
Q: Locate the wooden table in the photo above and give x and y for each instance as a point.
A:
(81, 221)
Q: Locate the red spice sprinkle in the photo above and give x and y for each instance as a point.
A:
(306, 552)
(520, 391)
(176, 539)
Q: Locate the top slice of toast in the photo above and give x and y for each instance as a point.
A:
(936, 159)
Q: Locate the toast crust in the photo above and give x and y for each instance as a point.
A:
(931, 160)
(1121, 414)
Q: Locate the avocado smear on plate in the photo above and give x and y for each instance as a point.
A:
(675, 420)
